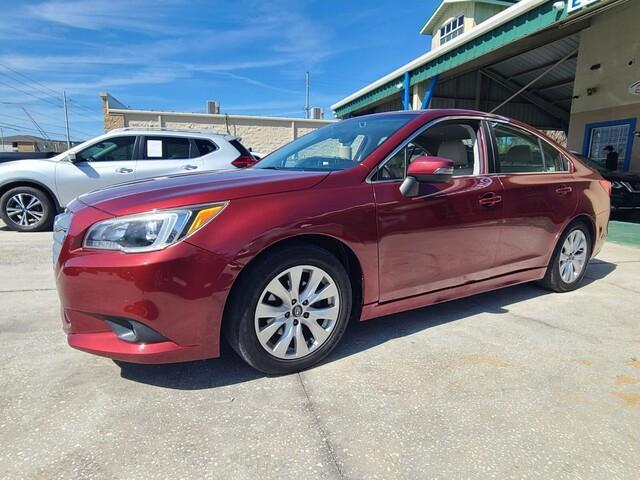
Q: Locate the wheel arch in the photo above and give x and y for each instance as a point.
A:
(5, 187)
(590, 224)
(334, 246)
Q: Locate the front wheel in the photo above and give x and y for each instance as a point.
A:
(290, 310)
(569, 260)
(26, 209)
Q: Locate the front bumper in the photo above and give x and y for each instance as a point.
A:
(178, 292)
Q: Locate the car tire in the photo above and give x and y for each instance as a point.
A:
(261, 318)
(570, 259)
(27, 209)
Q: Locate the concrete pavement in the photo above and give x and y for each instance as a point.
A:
(519, 383)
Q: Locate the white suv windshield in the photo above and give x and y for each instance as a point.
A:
(336, 147)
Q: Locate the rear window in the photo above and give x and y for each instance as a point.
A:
(238, 146)
(205, 146)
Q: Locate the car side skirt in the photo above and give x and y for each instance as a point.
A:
(380, 309)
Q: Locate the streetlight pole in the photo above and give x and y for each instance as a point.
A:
(306, 93)
(66, 118)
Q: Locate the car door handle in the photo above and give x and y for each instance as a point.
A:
(564, 190)
(190, 167)
(124, 170)
(490, 199)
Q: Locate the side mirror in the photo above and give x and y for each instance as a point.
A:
(426, 170)
(71, 156)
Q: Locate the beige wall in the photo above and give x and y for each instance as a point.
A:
(613, 41)
(261, 134)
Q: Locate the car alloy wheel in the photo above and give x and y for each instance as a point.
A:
(297, 312)
(573, 256)
(25, 209)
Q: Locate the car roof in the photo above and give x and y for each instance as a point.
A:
(177, 132)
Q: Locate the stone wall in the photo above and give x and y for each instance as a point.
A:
(261, 134)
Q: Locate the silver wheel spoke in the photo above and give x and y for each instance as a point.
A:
(329, 313)
(295, 274)
(269, 331)
(280, 348)
(301, 343)
(291, 330)
(267, 311)
(276, 288)
(19, 200)
(327, 292)
(32, 203)
(319, 333)
(315, 277)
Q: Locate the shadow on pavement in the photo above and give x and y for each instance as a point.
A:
(229, 369)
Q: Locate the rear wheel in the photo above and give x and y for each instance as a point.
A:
(290, 310)
(570, 259)
(26, 209)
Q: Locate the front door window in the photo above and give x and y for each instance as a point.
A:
(110, 149)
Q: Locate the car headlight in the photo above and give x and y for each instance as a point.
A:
(151, 231)
(615, 184)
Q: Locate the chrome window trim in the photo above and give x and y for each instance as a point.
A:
(407, 140)
(530, 132)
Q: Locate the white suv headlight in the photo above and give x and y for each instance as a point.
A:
(151, 231)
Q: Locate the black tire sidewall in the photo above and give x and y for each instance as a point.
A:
(244, 339)
(556, 278)
(49, 212)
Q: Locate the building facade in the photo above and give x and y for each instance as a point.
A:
(571, 66)
(260, 134)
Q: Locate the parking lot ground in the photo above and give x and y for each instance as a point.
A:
(517, 383)
(624, 227)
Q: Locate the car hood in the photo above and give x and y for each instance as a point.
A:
(200, 188)
(25, 164)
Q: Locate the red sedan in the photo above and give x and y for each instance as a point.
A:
(365, 217)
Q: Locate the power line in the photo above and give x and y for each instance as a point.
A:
(30, 94)
(30, 79)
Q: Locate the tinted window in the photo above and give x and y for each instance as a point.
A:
(338, 146)
(112, 149)
(205, 146)
(167, 148)
(523, 152)
(238, 146)
(453, 140)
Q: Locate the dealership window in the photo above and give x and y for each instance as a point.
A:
(112, 149)
(452, 29)
(523, 152)
(601, 136)
(168, 148)
(455, 141)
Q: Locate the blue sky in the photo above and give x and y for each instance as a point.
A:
(174, 55)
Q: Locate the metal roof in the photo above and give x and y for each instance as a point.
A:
(517, 22)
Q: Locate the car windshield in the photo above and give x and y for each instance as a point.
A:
(337, 146)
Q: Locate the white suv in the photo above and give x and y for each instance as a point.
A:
(32, 192)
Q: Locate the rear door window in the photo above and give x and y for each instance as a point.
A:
(519, 151)
(168, 148)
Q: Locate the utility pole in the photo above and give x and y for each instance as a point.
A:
(66, 118)
(306, 92)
